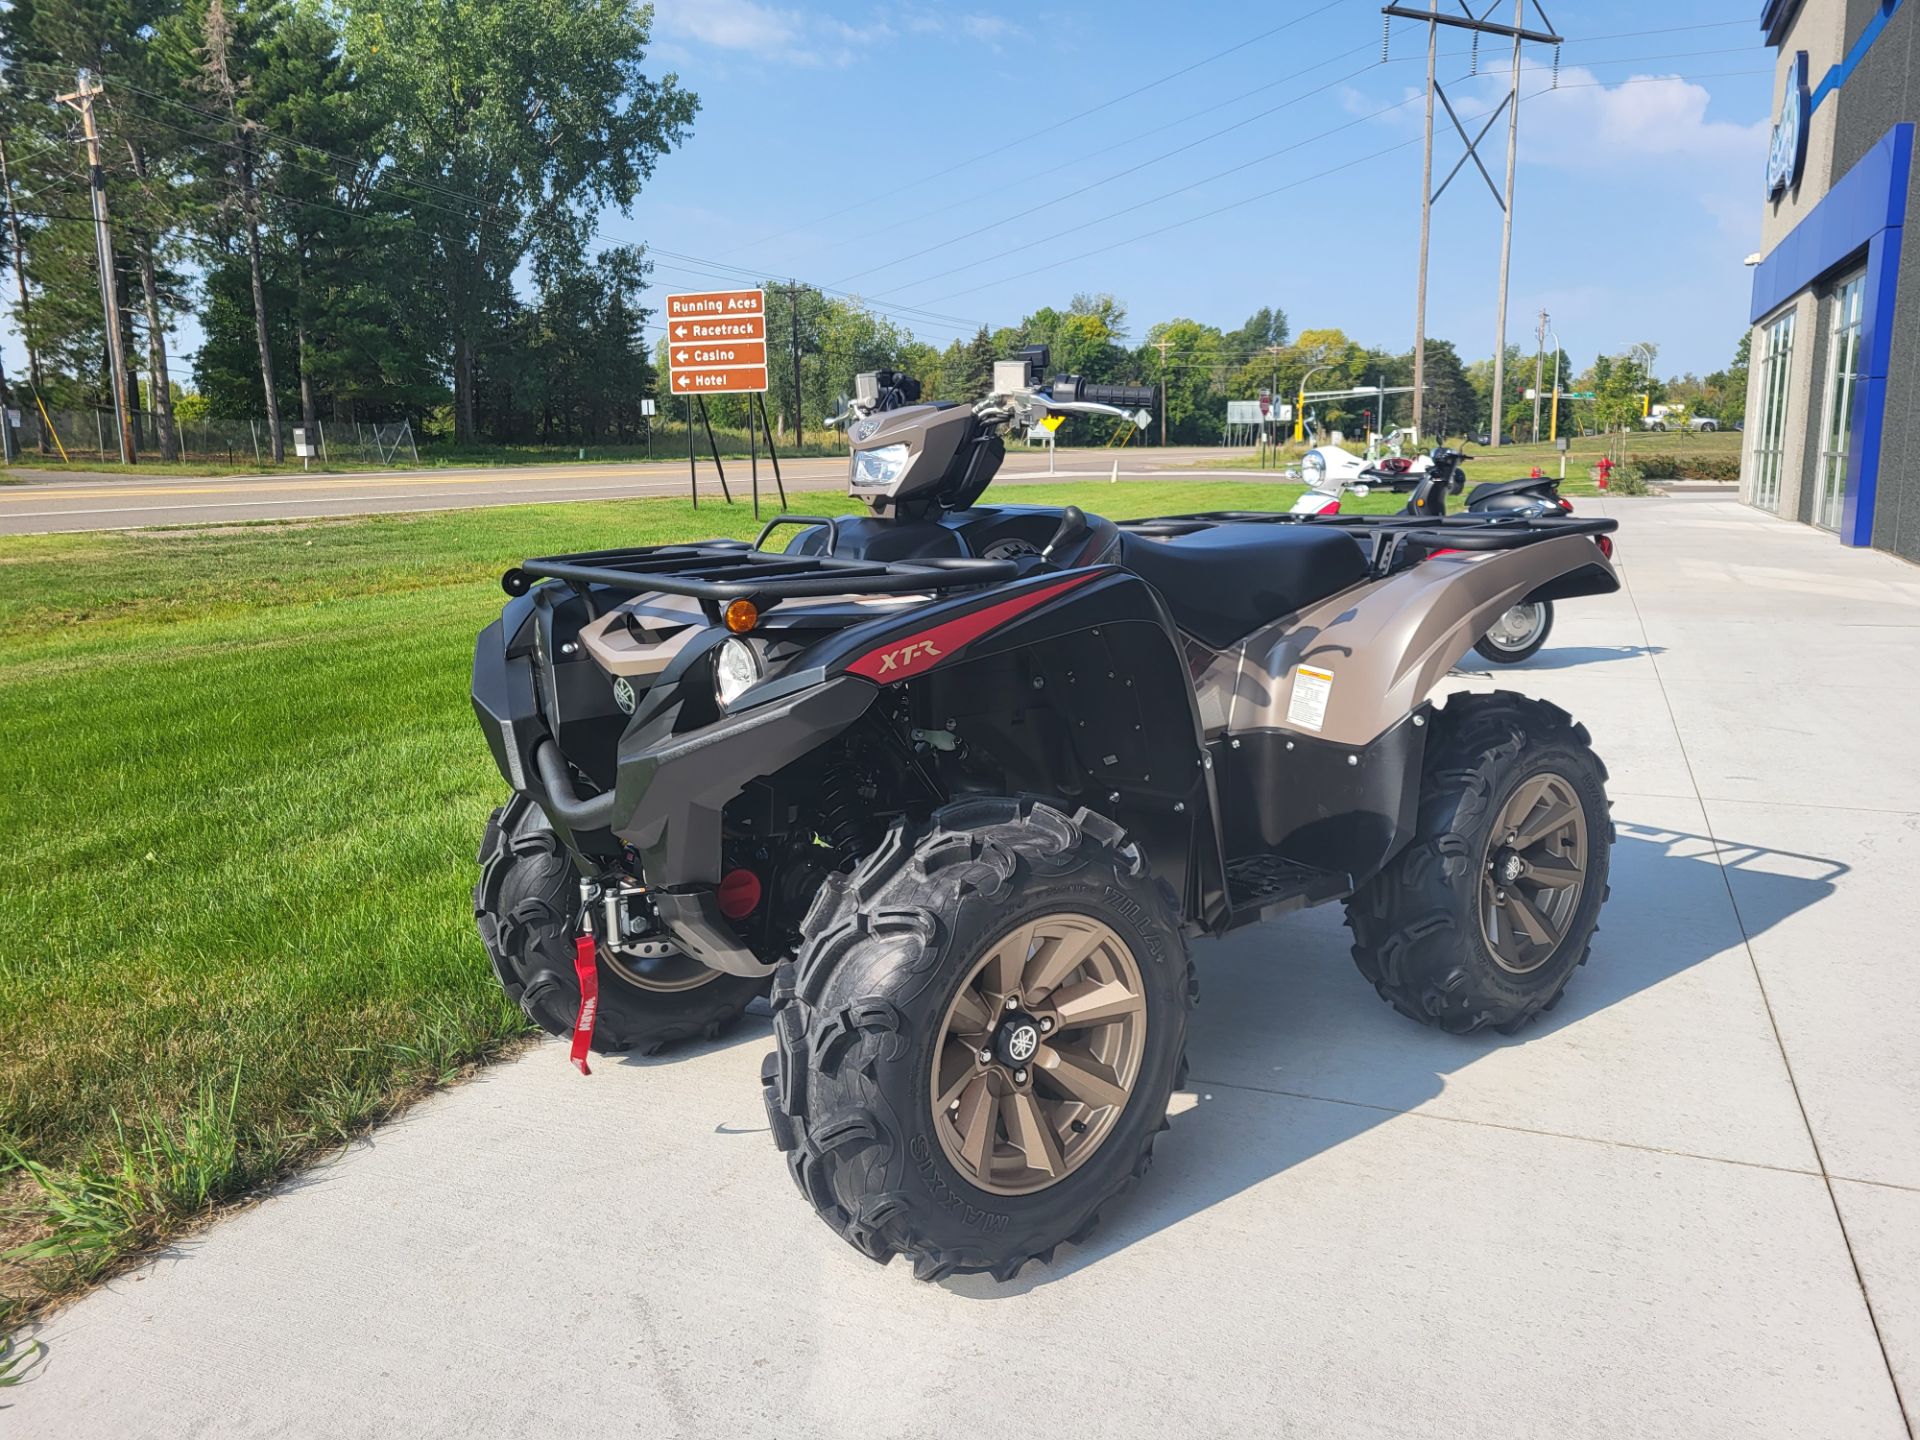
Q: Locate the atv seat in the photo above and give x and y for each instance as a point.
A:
(1225, 582)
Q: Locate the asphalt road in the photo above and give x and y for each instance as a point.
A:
(118, 502)
(1686, 1204)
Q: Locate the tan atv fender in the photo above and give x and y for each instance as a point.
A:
(1352, 666)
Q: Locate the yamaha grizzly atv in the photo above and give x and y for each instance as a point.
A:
(959, 783)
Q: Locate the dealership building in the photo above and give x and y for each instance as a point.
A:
(1833, 403)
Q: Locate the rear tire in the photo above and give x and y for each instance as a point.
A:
(866, 1030)
(1442, 933)
(525, 906)
(1511, 640)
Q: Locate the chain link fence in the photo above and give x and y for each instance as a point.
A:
(90, 435)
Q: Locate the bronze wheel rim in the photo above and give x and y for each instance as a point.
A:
(1535, 872)
(666, 974)
(1038, 1053)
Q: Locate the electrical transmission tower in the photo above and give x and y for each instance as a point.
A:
(1479, 25)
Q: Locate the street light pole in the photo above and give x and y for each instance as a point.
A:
(1300, 403)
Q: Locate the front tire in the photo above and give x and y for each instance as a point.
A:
(979, 1037)
(1485, 915)
(1518, 634)
(525, 905)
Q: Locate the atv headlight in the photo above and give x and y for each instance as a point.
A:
(878, 467)
(1313, 465)
(735, 667)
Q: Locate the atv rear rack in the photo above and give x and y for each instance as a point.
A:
(717, 571)
(1389, 536)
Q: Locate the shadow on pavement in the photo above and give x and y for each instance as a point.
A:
(1564, 657)
(1293, 1021)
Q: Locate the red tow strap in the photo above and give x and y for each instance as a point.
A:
(586, 965)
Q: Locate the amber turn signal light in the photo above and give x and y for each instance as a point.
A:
(741, 616)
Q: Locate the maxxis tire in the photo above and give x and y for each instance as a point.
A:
(858, 1012)
(1495, 654)
(1416, 929)
(524, 905)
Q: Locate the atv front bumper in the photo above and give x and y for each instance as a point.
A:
(670, 789)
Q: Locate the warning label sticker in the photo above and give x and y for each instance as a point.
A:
(1311, 690)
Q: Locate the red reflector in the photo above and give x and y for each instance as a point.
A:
(1436, 554)
(1566, 505)
(739, 893)
(1332, 507)
(1605, 542)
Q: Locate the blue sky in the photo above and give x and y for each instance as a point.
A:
(955, 164)
(1639, 181)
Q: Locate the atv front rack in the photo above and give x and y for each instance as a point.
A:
(717, 571)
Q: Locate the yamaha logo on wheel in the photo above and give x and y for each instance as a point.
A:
(1022, 1041)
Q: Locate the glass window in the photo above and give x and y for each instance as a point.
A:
(1836, 425)
(1769, 449)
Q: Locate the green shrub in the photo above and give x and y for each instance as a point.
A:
(1687, 467)
(1627, 480)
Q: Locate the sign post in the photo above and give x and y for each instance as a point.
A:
(717, 345)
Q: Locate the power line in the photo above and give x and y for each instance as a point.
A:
(1116, 175)
(1294, 184)
(1054, 125)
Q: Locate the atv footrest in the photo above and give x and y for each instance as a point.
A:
(1261, 886)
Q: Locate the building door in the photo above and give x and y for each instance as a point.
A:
(1836, 423)
(1769, 450)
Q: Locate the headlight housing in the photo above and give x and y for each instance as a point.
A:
(1313, 465)
(878, 467)
(736, 668)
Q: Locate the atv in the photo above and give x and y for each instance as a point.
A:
(956, 785)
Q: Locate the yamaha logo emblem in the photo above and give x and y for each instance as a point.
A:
(623, 694)
(864, 428)
(1022, 1041)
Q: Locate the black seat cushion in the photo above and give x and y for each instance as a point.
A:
(1226, 582)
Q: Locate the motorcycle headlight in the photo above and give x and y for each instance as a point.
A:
(735, 667)
(1313, 465)
(880, 466)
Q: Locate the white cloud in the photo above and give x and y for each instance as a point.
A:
(768, 31)
(802, 37)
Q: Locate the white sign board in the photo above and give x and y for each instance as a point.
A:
(649, 408)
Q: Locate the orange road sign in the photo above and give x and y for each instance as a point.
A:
(746, 380)
(717, 342)
(696, 332)
(701, 357)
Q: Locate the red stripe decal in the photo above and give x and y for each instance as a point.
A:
(904, 658)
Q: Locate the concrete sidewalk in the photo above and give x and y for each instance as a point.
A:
(1688, 1205)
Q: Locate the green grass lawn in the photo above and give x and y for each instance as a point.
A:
(243, 794)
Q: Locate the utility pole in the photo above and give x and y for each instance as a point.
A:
(793, 328)
(1518, 33)
(82, 100)
(1539, 350)
(1426, 233)
(1506, 233)
(1163, 346)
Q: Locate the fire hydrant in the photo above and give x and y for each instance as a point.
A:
(1536, 474)
(1606, 469)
